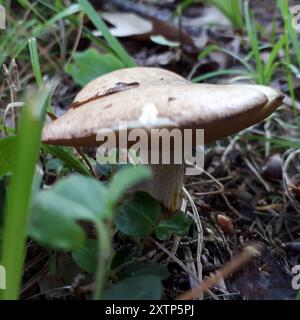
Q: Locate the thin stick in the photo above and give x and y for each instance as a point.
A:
(174, 258)
(227, 270)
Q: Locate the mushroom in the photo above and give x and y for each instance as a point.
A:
(154, 98)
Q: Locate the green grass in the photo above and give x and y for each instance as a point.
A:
(223, 72)
(231, 9)
(293, 35)
(110, 39)
(278, 143)
(287, 26)
(28, 137)
(34, 56)
(41, 19)
(263, 71)
(20, 187)
(252, 34)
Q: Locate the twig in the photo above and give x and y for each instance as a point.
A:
(252, 167)
(174, 258)
(232, 266)
(191, 265)
(77, 39)
(197, 220)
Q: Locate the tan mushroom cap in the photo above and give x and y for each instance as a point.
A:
(156, 98)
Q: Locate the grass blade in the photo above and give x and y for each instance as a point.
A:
(252, 33)
(291, 31)
(269, 68)
(219, 73)
(237, 14)
(66, 155)
(34, 56)
(231, 9)
(286, 16)
(20, 188)
(241, 60)
(69, 11)
(110, 39)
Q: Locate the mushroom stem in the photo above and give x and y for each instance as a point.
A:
(166, 184)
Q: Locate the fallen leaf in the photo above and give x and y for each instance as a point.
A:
(225, 223)
(126, 24)
(211, 15)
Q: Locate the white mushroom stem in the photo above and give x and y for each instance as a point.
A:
(166, 184)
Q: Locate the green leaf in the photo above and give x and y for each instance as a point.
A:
(55, 213)
(86, 256)
(7, 147)
(139, 269)
(124, 255)
(127, 177)
(86, 192)
(137, 217)
(53, 221)
(178, 225)
(136, 288)
(67, 156)
(54, 164)
(161, 40)
(91, 64)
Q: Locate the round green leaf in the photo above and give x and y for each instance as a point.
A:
(83, 69)
(136, 288)
(125, 178)
(55, 212)
(86, 192)
(51, 225)
(137, 217)
(86, 256)
(178, 225)
(155, 269)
